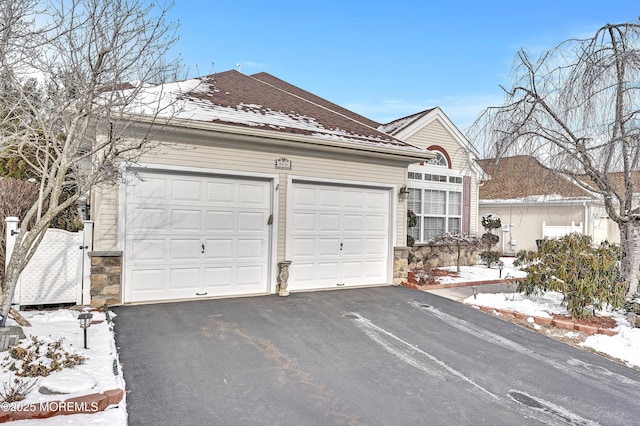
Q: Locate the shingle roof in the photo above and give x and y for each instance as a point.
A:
(266, 102)
(396, 126)
(514, 178)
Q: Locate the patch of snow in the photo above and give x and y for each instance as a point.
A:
(478, 273)
(538, 306)
(624, 346)
(68, 381)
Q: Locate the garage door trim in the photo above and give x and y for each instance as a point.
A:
(273, 179)
(391, 219)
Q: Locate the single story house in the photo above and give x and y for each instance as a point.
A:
(252, 171)
(534, 202)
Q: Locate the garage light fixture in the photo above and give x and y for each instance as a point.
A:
(403, 192)
(85, 322)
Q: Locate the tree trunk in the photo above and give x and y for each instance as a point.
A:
(630, 255)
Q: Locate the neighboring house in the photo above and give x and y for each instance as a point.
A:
(254, 171)
(443, 192)
(534, 202)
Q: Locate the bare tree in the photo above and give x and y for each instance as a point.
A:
(577, 109)
(67, 67)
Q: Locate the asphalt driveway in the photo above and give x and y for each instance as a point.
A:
(367, 356)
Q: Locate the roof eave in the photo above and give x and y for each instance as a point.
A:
(276, 138)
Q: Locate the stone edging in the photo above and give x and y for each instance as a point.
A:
(564, 324)
(85, 404)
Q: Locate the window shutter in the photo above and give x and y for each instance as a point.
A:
(466, 204)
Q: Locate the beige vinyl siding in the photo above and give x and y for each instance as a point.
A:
(435, 133)
(235, 161)
(105, 232)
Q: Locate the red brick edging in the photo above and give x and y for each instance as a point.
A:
(564, 324)
(86, 404)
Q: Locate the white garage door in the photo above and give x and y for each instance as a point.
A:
(339, 236)
(189, 236)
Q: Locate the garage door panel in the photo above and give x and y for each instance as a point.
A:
(328, 222)
(354, 199)
(353, 247)
(303, 272)
(376, 201)
(147, 250)
(219, 249)
(184, 278)
(171, 216)
(252, 195)
(218, 277)
(149, 190)
(353, 223)
(250, 249)
(304, 247)
(145, 219)
(148, 280)
(219, 192)
(249, 275)
(304, 221)
(328, 271)
(187, 249)
(186, 190)
(219, 221)
(375, 246)
(329, 198)
(186, 220)
(251, 221)
(328, 247)
(376, 223)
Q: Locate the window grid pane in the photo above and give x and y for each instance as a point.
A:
(433, 226)
(435, 202)
(455, 203)
(455, 225)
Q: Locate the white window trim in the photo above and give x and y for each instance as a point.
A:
(438, 186)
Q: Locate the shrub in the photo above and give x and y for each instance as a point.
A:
(40, 357)
(588, 276)
(490, 257)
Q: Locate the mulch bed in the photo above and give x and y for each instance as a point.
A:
(595, 321)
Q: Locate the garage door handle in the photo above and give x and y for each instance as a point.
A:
(202, 248)
(340, 246)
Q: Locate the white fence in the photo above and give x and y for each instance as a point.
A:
(559, 231)
(59, 271)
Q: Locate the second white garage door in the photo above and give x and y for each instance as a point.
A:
(338, 236)
(188, 236)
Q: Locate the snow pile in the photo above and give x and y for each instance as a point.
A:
(624, 346)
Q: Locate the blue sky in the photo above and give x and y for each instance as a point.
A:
(386, 59)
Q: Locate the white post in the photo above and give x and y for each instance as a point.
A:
(85, 262)
(11, 237)
(544, 226)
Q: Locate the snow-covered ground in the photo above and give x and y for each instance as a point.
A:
(481, 273)
(95, 375)
(625, 346)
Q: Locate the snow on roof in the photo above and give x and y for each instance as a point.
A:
(395, 126)
(236, 99)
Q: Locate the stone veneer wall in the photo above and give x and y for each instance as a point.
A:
(106, 278)
(400, 264)
(437, 256)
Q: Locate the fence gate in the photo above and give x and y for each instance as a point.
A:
(59, 271)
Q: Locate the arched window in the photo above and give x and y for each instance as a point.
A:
(439, 160)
